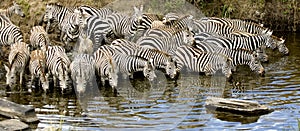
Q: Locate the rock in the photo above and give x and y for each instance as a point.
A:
(236, 106)
(13, 110)
(13, 125)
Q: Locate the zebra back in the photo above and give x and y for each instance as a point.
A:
(10, 34)
(92, 11)
(39, 38)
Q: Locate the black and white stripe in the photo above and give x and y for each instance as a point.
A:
(39, 38)
(124, 26)
(9, 33)
(105, 66)
(18, 59)
(238, 56)
(127, 65)
(198, 61)
(161, 60)
(166, 44)
(58, 65)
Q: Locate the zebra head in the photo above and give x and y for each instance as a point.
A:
(255, 64)
(112, 73)
(10, 75)
(227, 66)
(138, 13)
(17, 9)
(63, 78)
(49, 12)
(188, 37)
(261, 54)
(171, 68)
(80, 17)
(282, 47)
(45, 81)
(149, 70)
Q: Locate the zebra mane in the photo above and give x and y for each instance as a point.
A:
(55, 4)
(277, 38)
(13, 59)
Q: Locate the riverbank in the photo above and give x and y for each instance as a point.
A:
(279, 15)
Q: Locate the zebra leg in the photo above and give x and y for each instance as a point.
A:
(21, 77)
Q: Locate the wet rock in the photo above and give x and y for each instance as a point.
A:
(24, 113)
(13, 125)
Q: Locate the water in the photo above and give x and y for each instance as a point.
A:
(179, 105)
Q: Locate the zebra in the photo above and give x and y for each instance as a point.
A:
(249, 43)
(127, 65)
(161, 60)
(279, 42)
(82, 72)
(39, 38)
(18, 59)
(238, 24)
(10, 33)
(57, 62)
(166, 44)
(14, 9)
(105, 66)
(64, 18)
(238, 56)
(261, 54)
(199, 61)
(37, 68)
(124, 26)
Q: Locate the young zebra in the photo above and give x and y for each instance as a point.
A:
(161, 60)
(37, 68)
(199, 61)
(105, 66)
(14, 9)
(127, 65)
(238, 56)
(39, 38)
(83, 72)
(124, 26)
(58, 63)
(9, 33)
(166, 44)
(18, 59)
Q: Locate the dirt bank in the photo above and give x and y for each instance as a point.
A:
(279, 15)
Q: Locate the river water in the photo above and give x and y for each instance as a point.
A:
(178, 104)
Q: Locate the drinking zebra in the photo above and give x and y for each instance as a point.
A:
(37, 68)
(105, 66)
(238, 56)
(127, 65)
(161, 60)
(58, 65)
(18, 59)
(83, 72)
(198, 61)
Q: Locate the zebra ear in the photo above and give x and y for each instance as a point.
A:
(6, 68)
(14, 2)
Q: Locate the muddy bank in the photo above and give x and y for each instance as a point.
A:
(279, 15)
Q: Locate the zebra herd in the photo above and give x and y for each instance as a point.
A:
(109, 42)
